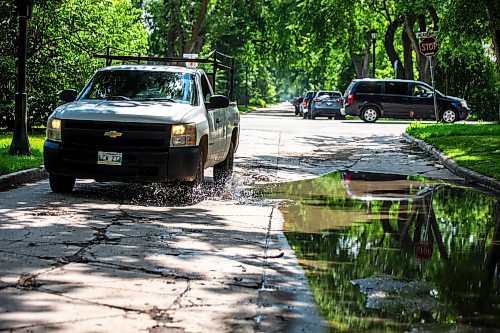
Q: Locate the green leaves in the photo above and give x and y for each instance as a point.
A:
(62, 35)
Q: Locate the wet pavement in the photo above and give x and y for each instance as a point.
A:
(285, 147)
(143, 259)
(115, 255)
(396, 253)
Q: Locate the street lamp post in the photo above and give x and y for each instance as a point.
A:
(373, 34)
(20, 144)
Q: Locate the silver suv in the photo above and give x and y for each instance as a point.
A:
(326, 104)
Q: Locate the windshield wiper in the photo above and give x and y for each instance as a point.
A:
(117, 98)
(161, 99)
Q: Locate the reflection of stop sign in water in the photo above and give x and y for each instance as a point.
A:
(423, 250)
(429, 46)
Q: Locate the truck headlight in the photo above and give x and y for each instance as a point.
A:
(183, 135)
(54, 129)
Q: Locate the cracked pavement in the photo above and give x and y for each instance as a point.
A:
(134, 258)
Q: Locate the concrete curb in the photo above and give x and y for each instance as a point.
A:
(11, 180)
(458, 170)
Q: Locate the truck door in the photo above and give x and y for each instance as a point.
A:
(215, 122)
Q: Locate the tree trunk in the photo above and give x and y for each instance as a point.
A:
(491, 261)
(199, 43)
(181, 38)
(389, 45)
(195, 34)
(407, 47)
(358, 64)
(171, 16)
(496, 46)
(423, 64)
(435, 17)
(493, 9)
(362, 61)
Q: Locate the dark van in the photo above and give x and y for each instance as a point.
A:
(371, 99)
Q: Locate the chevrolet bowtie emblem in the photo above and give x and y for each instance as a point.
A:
(113, 134)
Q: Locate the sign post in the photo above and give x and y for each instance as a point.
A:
(429, 47)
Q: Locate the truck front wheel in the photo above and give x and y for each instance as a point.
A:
(61, 184)
(224, 169)
(189, 188)
(200, 172)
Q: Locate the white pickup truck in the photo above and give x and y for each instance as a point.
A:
(141, 123)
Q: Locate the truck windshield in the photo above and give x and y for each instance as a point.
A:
(139, 85)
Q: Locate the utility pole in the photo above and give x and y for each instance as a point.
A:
(20, 144)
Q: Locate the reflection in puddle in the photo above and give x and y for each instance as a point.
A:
(395, 253)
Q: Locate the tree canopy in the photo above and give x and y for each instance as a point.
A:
(282, 47)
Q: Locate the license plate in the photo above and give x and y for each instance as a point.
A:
(109, 158)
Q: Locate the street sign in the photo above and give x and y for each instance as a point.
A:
(429, 46)
(191, 64)
(424, 34)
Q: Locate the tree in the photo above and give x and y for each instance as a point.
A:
(62, 36)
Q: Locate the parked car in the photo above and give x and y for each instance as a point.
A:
(371, 99)
(326, 104)
(296, 103)
(306, 104)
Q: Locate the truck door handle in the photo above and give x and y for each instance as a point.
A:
(217, 120)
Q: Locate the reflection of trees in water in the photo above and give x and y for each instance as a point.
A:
(417, 217)
(491, 262)
(462, 224)
(469, 250)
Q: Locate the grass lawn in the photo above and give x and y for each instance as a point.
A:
(10, 163)
(474, 146)
(244, 109)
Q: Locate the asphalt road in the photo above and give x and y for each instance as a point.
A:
(288, 147)
(131, 258)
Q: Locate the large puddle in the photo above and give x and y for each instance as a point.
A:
(390, 253)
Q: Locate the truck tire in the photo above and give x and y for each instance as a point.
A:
(224, 169)
(188, 188)
(61, 184)
(200, 172)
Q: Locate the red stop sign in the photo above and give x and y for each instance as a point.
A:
(429, 46)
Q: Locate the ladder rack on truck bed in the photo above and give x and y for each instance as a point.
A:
(214, 58)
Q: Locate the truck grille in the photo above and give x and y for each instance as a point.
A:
(130, 136)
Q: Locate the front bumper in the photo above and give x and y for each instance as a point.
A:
(463, 113)
(137, 166)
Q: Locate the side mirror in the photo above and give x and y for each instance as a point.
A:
(218, 102)
(68, 95)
